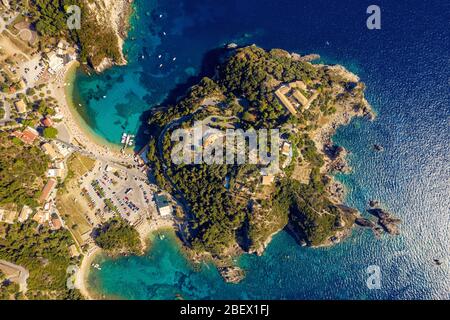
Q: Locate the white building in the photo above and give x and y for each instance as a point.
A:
(55, 63)
(62, 148)
(163, 205)
(25, 214)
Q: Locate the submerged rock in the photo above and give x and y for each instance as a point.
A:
(386, 220)
(232, 274)
(378, 148)
(366, 223)
(373, 203)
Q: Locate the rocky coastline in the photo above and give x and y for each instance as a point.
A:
(116, 15)
(385, 223)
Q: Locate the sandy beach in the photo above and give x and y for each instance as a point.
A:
(79, 131)
(145, 231)
(81, 281)
(81, 135)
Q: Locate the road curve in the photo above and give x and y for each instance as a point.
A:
(21, 279)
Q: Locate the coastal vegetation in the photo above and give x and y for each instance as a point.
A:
(44, 253)
(50, 133)
(116, 236)
(97, 41)
(223, 221)
(22, 172)
(8, 290)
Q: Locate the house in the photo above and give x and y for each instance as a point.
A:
(58, 114)
(40, 217)
(268, 180)
(295, 92)
(48, 189)
(47, 122)
(59, 165)
(71, 55)
(24, 214)
(286, 149)
(8, 216)
(55, 173)
(163, 205)
(63, 45)
(281, 95)
(55, 222)
(21, 106)
(28, 136)
(61, 148)
(50, 151)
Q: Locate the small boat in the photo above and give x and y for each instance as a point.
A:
(104, 97)
(164, 33)
(160, 16)
(161, 65)
(175, 58)
(162, 237)
(96, 266)
(160, 56)
(437, 262)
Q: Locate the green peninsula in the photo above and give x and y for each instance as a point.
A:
(228, 209)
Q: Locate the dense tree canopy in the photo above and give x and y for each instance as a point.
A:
(117, 236)
(22, 169)
(44, 253)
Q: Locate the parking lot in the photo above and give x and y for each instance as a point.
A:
(113, 190)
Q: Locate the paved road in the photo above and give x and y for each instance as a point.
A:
(21, 279)
(133, 172)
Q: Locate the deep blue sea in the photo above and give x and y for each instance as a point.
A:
(406, 67)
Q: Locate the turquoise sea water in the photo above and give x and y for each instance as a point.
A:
(405, 66)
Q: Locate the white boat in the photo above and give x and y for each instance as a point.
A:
(161, 65)
(175, 58)
(124, 138)
(160, 56)
(96, 266)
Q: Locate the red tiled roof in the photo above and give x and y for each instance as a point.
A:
(47, 122)
(56, 222)
(51, 184)
(27, 136)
